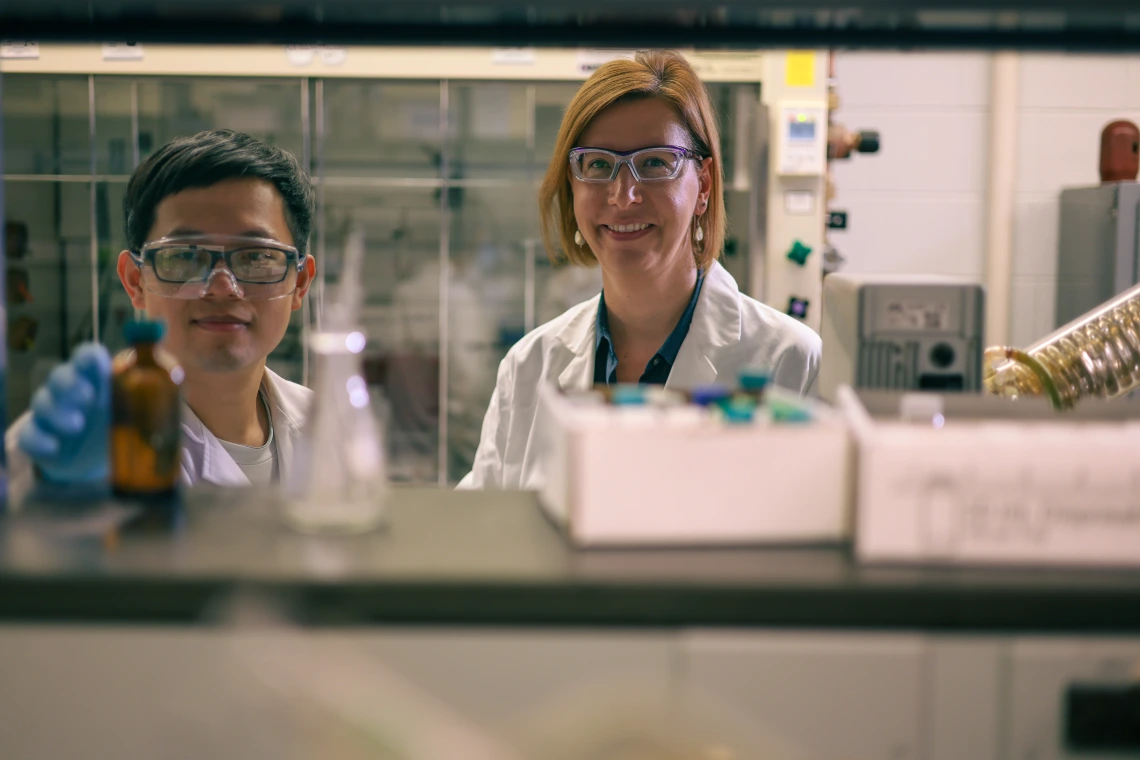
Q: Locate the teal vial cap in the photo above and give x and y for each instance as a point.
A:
(755, 378)
(629, 394)
(143, 331)
(738, 411)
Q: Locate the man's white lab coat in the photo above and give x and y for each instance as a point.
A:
(729, 332)
(203, 458)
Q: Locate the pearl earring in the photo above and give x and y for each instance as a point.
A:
(700, 234)
(578, 238)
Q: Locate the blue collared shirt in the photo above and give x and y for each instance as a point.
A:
(657, 370)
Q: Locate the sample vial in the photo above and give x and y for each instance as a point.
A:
(754, 381)
(738, 410)
(708, 395)
(661, 398)
(628, 394)
(146, 416)
(784, 411)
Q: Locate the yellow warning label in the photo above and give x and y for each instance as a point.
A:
(800, 69)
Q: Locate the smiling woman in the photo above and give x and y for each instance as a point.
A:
(635, 187)
(656, 101)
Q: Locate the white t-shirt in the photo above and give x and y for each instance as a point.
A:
(259, 463)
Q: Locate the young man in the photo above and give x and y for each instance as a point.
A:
(217, 226)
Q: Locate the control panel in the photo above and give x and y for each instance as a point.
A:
(801, 139)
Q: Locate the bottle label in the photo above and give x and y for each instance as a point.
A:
(146, 437)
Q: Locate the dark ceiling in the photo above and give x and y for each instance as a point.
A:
(1089, 25)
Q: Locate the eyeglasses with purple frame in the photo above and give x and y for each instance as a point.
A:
(652, 164)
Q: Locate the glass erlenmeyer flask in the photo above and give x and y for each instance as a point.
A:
(1096, 355)
(338, 480)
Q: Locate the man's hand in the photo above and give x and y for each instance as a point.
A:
(68, 434)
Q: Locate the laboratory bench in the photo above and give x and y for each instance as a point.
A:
(477, 599)
(495, 558)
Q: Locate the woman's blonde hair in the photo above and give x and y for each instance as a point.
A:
(661, 74)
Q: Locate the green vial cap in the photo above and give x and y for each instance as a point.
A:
(784, 412)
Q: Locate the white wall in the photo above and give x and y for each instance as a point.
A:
(919, 205)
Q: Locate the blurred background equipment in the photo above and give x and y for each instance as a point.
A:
(901, 333)
(23, 322)
(1119, 152)
(842, 142)
(1099, 247)
(1097, 355)
(1098, 254)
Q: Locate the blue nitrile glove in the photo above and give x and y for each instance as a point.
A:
(68, 434)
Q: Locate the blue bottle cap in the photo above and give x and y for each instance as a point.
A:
(628, 395)
(143, 331)
(755, 379)
(707, 395)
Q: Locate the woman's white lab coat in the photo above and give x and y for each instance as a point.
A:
(729, 332)
(203, 458)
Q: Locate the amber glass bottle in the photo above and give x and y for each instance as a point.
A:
(146, 424)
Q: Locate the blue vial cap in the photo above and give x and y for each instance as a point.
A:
(628, 395)
(707, 395)
(755, 379)
(143, 331)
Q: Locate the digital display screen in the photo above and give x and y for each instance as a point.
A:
(801, 129)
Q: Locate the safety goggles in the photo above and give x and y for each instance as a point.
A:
(185, 267)
(655, 164)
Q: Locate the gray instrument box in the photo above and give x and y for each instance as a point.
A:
(1098, 253)
(901, 332)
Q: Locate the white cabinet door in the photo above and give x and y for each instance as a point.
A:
(137, 693)
(810, 696)
(963, 698)
(505, 678)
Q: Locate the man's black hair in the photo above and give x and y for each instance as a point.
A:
(206, 159)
